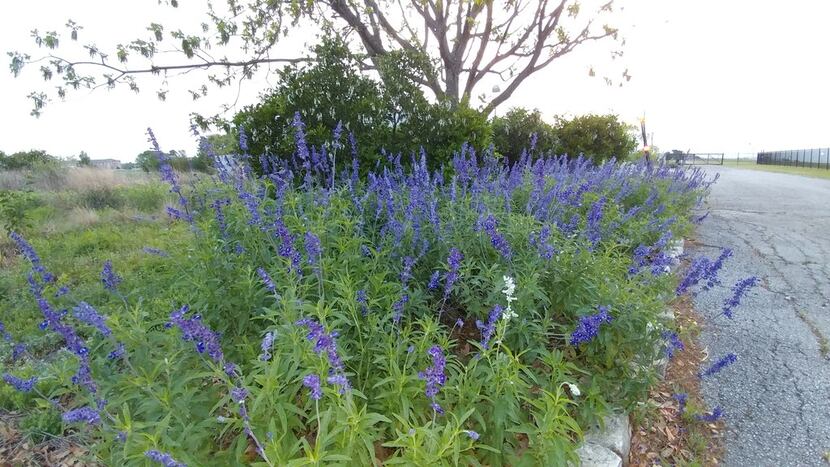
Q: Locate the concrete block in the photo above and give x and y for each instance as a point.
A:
(616, 435)
(594, 455)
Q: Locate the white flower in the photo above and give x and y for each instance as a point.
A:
(574, 389)
(509, 289)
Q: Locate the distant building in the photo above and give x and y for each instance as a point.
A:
(106, 163)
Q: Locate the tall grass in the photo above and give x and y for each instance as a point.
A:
(57, 178)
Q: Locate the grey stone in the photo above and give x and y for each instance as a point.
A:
(660, 366)
(615, 435)
(594, 455)
(675, 248)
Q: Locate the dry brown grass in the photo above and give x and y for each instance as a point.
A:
(65, 178)
(77, 217)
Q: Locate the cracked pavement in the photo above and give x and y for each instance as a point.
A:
(776, 397)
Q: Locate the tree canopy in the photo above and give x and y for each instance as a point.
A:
(26, 159)
(453, 45)
(84, 159)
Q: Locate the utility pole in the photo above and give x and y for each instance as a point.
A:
(646, 149)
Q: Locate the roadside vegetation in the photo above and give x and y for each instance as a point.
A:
(476, 313)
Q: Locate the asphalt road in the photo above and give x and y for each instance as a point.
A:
(776, 397)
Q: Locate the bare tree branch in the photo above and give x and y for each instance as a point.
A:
(161, 68)
(455, 44)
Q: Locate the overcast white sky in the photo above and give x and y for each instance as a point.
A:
(710, 75)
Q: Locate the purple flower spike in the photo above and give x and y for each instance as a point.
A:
(739, 290)
(84, 414)
(194, 330)
(117, 353)
(681, 399)
(22, 385)
(588, 326)
(716, 414)
(672, 343)
(454, 262)
(89, 315)
(434, 376)
(18, 350)
(266, 279)
(594, 232)
(163, 458)
(433, 281)
(397, 309)
(326, 344)
(313, 248)
(437, 408)
(312, 382)
(83, 377)
(238, 395)
(362, 300)
(267, 342)
(406, 273)
(719, 365)
(109, 277)
(155, 251)
(29, 253)
(339, 379)
(496, 239)
(488, 329)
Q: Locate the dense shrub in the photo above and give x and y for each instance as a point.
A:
(101, 198)
(148, 161)
(13, 207)
(394, 117)
(599, 137)
(514, 130)
(410, 317)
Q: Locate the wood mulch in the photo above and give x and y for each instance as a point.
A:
(19, 451)
(662, 436)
